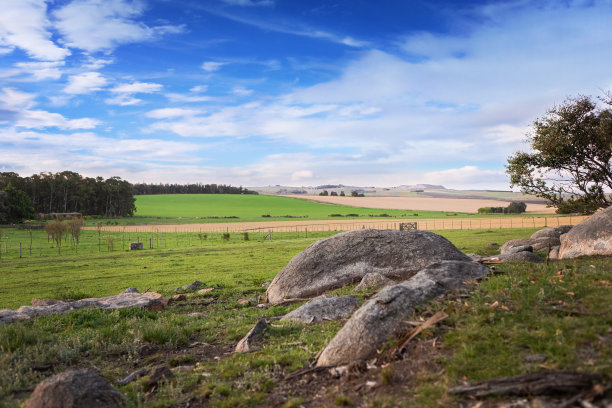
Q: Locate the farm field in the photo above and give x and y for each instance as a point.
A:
(420, 203)
(466, 347)
(235, 207)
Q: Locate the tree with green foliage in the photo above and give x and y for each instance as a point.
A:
(571, 161)
(56, 230)
(19, 205)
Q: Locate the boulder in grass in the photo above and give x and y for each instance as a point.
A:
(593, 236)
(537, 244)
(75, 389)
(324, 307)
(345, 258)
(381, 317)
(192, 287)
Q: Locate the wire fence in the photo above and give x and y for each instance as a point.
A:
(350, 225)
(20, 243)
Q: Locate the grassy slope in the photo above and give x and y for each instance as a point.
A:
(481, 341)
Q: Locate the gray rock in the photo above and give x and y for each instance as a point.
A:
(593, 236)
(324, 307)
(552, 232)
(554, 253)
(520, 248)
(381, 317)
(253, 339)
(75, 389)
(131, 289)
(160, 374)
(150, 300)
(345, 258)
(537, 244)
(192, 287)
(373, 281)
(524, 256)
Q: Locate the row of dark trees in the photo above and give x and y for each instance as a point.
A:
(148, 189)
(70, 192)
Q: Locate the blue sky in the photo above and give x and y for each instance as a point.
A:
(264, 92)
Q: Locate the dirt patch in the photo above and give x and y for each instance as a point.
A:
(392, 380)
(422, 203)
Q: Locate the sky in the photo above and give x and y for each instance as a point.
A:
(290, 92)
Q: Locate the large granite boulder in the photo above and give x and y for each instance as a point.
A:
(381, 317)
(345, 258)
(75, 389)
(324, 307)
(593, 236)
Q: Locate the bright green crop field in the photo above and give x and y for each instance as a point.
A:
(194, 208)
(252, 208)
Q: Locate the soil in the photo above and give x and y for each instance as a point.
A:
(422, 203)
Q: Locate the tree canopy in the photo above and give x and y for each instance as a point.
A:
(570, 163)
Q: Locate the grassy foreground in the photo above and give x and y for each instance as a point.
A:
(561, 310)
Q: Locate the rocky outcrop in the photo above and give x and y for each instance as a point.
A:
(324, 307)
(150, 300)
(345, 258)
(75, 389)
(374, 281)
(381, 317)
(593, 236)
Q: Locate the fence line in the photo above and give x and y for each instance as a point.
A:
(349, 225)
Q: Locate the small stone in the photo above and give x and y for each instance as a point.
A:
(265, 284)
(184, 368)
(159, 374)
(535, 358)
(131, 289)
(254, 337)
(179, 298)
(196, 314)
(243, 301)
(204, 291)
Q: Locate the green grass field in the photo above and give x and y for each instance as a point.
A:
(218, 207)
(561, 310)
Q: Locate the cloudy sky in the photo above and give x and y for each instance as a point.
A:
(264, 92)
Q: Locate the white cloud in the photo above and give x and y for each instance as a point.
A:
(212, 66)
(167, 113)
(137, 87)
(199, 88)
(39, 119)
(123, 100)
(241, 91)
(85, 83)
(95, 25)
(14, 99)
(24, 24)
(42, 70)
(177, 97)
(301, 175)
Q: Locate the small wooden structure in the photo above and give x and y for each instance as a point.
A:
(136, 245)
(405, 226)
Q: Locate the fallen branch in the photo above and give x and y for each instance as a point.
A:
(540, 383)
(131, 377)
(305, 371)
(401, 345)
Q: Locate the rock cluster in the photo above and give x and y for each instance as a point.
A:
(345, 258)
(380, 317)
(129, 298)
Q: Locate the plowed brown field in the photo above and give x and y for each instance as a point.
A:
(422, 203)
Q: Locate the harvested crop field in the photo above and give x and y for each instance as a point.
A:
(345, 225)
(422, 203)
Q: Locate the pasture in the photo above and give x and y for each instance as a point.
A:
(561, 310)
